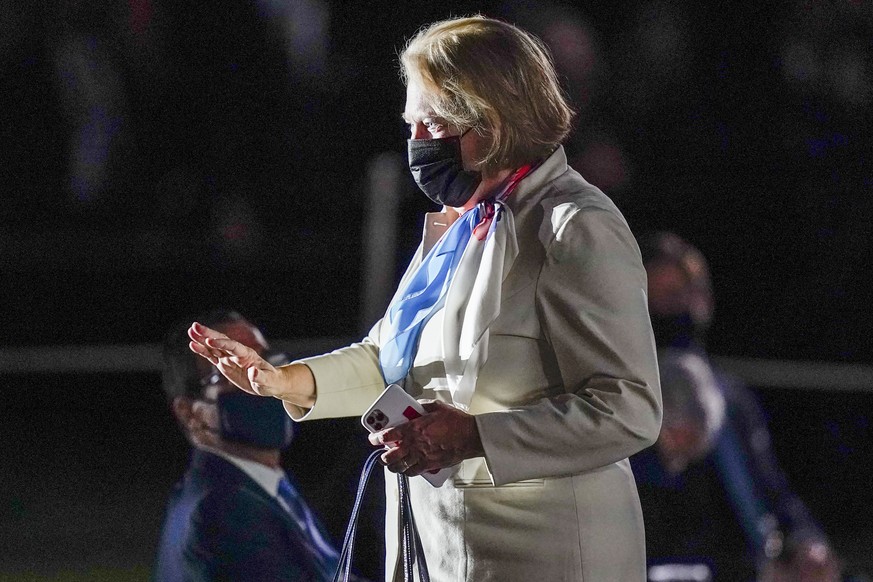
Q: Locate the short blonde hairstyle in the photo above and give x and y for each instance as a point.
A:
(493, 77)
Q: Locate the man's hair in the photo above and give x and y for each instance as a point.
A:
(180, 375)
(665, 247)
(493, 77)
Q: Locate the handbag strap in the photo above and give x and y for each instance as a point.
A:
(412, 552)
(345, 560)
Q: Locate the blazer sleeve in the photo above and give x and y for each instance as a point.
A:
(347, 381)
(592, 304)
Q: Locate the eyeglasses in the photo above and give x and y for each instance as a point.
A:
(214, 378)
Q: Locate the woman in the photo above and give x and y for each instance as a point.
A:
(522, 318)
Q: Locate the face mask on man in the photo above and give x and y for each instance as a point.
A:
(438, 169)
(253, 420)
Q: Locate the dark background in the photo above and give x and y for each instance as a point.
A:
(160, 158)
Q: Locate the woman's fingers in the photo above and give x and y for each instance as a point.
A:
(216, 344)
(203, 331)
(399, 461)
(199, 335)
(403, 466)
(202, 350)
(225, 348)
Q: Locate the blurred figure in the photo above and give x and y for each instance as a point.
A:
(236, 515)
(92, 94)
(712, 491)
(680, 291)
(802, 561)
(694, 410)
(594, 148)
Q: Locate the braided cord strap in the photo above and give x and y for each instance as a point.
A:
(345, 560)
(412, 552)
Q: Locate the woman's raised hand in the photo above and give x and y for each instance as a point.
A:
(240, 364)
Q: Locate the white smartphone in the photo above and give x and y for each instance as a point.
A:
(393, 407)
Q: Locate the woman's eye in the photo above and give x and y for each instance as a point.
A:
(434, 126)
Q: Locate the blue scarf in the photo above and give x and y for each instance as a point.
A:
(423, 295)
(426, 292)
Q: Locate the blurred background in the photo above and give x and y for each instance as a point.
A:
(160, 158)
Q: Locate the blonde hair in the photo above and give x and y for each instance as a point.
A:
(493, 77)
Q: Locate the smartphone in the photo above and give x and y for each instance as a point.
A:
(393, 407)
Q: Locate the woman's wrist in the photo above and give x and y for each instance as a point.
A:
(298, 385)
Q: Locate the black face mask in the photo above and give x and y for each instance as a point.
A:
(438, 170)
(253, 420)
(677, 331)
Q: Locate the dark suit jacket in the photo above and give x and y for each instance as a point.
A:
(221, 525)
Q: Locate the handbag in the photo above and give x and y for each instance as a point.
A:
(411, 552)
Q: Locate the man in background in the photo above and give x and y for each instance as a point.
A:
(712, 491)
(236, 514)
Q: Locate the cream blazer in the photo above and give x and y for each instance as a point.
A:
(569, 391)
